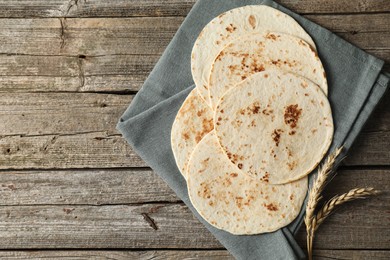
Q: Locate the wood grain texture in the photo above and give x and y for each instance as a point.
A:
(83, 187)
(186, 254)
(77, 130)
(150, 35)
(93, 225)
(131, 8)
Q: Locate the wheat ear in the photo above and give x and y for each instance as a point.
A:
(329, 206)
(315, 196)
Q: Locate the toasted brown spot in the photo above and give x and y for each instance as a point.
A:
(222, 111)
(220, 55)
(243, 77)
(292, 165)
(186, 136)
(234, 175)
(291, 115)
(249, 94)
(314, 130)
(265, 75)
(265, 178)
(306, 94)
(240, 166)
(271, 36)
(252, 21)
(314, 70)
(253, 123)
(291, 196)
(276, 136)
(207, 126)
(293, 132)
(322, 103)
(304, 84)
(271, 207)
(239, 201)
(254, 108)
(231, 28)
(267, 112)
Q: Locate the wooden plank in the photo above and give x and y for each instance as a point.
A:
(120, 255)
(60, 113)
(130, 8)
(121, 186)
(82, 150)
(350, 254)
(60, 130)
(182, 254)
(149, 36)
(86, 187)
(359, 225)
(113, 226)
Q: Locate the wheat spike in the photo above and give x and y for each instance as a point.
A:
(315, 196)
(329, 206)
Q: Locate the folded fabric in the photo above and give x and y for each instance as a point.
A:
(355, 87)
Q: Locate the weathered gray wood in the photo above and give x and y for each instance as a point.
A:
(60, 113)
(124, 186)
(149, 36)
(361, 224)
(128, 8)
(82, 150)
(121, 255)
(107, 226)
(61, 130)
(86, 187)
(186, 254)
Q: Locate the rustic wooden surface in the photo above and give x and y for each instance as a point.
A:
(68, 70)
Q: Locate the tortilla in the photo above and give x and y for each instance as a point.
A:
(230, 200)
(275, 126)
(258, 52)
(232, 25)
(193, 121)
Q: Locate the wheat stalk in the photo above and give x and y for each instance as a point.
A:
(315, 196)
(328, 208)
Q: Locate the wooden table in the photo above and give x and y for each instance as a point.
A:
(68, 179)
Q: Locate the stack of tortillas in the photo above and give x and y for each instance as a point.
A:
(257, 123)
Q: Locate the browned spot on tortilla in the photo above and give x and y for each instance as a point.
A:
(205, 191)
(276, 136)
(218, 42)
(238, 201)
(186, 136)
(291, 196)
(222, 111)
(220, 55)
(291, 115)
(314, 130)
(314, 70)
(306, 94)
(292, 132)
(304, 84)
(200, 112)
(231, 28)
(207, 126)
(234, 175)
(249, 94)
(211, 203)
(301, 42)
(292, 165)
(252, 21)
(240, 166)
(254, 108)
(265, 178)
(267, 112)
(271, 36)
(271, 207)
(227, 182)
(265, 75)
(243, 77)
(322, 103)
(233, 68)
(219, 118)
(289, 153)
(253, 123)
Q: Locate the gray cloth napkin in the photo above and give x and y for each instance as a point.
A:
(356, 85)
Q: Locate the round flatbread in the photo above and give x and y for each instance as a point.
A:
(275, 126)
(230, 200)
(232, 25)
(258, 52)
(193, 121)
